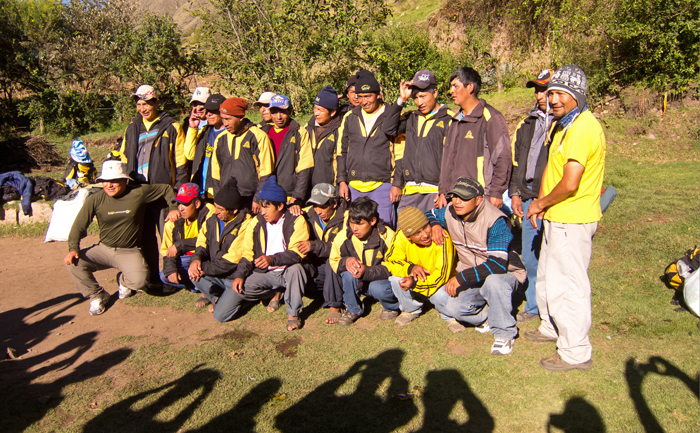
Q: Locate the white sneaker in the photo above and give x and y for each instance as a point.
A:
(502, 347)
(99, 304)
(124, 292)
(483, 328)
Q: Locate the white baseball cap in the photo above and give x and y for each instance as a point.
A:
(264, 99)
(200, 95)
(145, 93)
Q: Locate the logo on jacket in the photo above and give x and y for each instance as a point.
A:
(440, 125)
(235, 231)
(293, 140)
(469, 135)
(331, 138)
(246, 145)
(380, 255)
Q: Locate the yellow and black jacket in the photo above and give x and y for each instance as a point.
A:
(83, 173)
(167, 162)
(422, 152)
(372, 253)
(365, 155)
(175, 233)
(248, 156)
(403, 255)
(295, 162)
(196, 148)
(322, 239)
(294, 230)
(221, 251)
(324, 147)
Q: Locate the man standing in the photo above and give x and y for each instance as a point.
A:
(119, 209)
(244, 152)
(263, 105)
(569, 201)
(365, 157)
(417, 171)
(325, 133)
(487, 271)
(477, 144)
(154, 152)
(197, 117)
(294, 161)
(530, 152)
(199, 146)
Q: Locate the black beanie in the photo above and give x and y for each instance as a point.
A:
(228, 196)
(327, 98)
(366, 83)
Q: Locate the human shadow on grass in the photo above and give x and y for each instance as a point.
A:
(579, 416)
(635, 373)
(444, 390)
(372, 407)
(140, 413)
(26, 398)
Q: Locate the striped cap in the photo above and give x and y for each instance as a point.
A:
(411, 219)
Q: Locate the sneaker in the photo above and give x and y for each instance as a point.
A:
(454, 326)
(406, 318)
(388, 315)
(525, 316)
(98, 305)
(555, 363)
(124, 292)
(483, 328)
(537, 337)
(502, 347)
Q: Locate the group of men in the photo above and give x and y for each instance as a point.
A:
(275, 211)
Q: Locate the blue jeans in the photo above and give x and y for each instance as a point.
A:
(182, 272)
(532, 242)
(386, 209)
(491, 301)
(412, 302)
(379, 290)
(219, 292)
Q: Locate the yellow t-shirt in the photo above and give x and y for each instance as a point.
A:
(363, 186)
(584, 142)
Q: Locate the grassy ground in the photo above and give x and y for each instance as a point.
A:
(255, 377)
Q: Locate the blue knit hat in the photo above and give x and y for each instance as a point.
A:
(79, 153)
(327, 98)
(271, 191)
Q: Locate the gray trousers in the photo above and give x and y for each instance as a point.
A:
(424, 202)
(256, 287)
(129, 261)
(564, 290)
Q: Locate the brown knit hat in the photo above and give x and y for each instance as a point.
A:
(234, 107)
(411, 219)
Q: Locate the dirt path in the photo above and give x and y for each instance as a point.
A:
(40, 311)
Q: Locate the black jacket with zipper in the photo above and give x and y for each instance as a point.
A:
(521, 150)
(183, 245)
(325, 148)
(365, 155)
(220, 254)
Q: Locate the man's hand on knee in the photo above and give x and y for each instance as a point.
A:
(195, 270)
(71, 258)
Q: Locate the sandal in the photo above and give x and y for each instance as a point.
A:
(202, 302)
(333, 318)
(295, 324)
(273, 305)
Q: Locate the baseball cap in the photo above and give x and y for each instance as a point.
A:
(542, 79)
(280, 101)
(214, 102)
(187, 193)
(423, 79)
(200, 95)
(145, 92)
(322, 193)
(466, 188)
(264, 99)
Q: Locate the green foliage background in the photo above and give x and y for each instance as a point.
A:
(70, 67)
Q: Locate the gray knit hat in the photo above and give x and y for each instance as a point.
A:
(572, 80)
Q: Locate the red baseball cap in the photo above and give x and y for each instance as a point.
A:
(187, 193)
